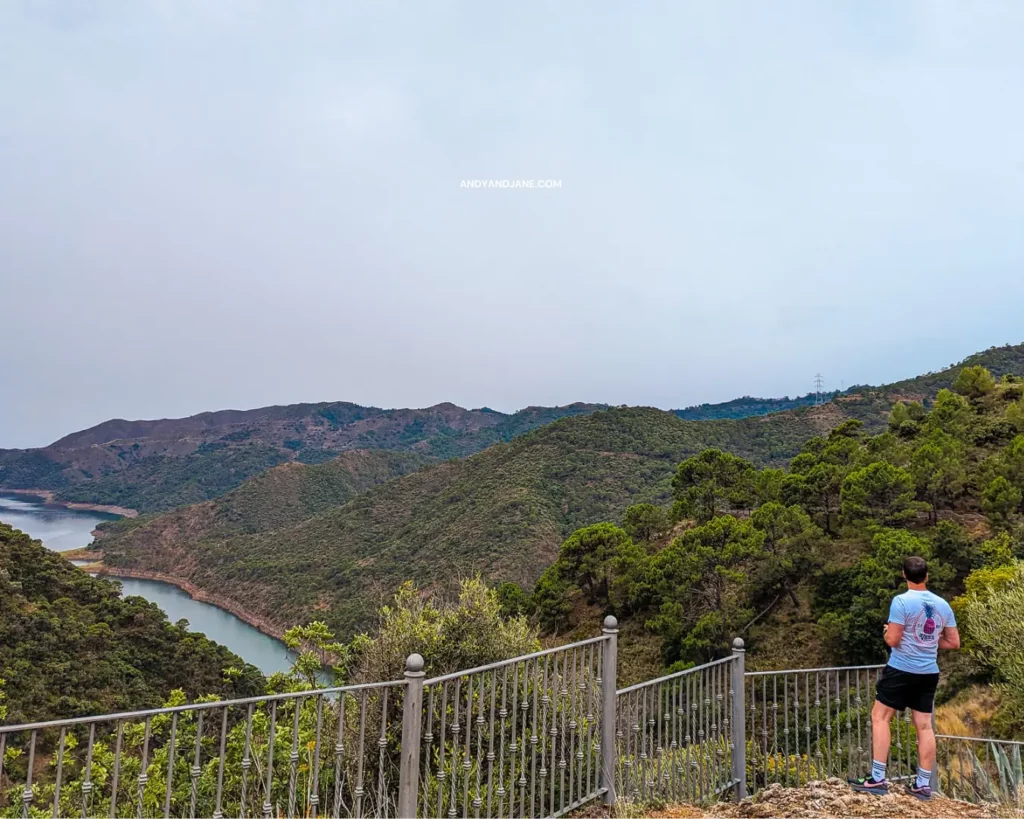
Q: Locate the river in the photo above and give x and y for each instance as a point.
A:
(62, 529)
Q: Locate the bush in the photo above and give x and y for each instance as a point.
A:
(994, 624)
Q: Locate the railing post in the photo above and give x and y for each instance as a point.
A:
(739, 723)
(609, 685)
(412, 716)
(933, 780)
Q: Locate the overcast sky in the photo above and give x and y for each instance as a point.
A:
(219, 204)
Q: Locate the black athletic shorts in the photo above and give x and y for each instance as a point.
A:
(901, 689)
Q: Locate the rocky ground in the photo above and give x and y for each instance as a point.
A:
(825, 800)
(834, 798)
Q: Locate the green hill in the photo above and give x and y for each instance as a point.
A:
(70, 645)
(502, 512)
(281, 496)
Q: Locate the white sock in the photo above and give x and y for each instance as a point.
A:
(924, 777)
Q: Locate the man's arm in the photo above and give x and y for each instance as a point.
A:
(950, 638)
(893, 633)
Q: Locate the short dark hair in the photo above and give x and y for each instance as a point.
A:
(915, 569)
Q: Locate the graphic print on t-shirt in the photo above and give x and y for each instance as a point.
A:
(926, 626)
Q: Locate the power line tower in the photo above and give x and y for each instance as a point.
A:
(819, 385)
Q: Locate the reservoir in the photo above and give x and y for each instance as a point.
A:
(61, 529)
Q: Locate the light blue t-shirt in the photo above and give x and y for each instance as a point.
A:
(923, 616)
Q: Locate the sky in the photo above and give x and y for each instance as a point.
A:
(229, 204)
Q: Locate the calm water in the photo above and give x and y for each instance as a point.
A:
(62, 529)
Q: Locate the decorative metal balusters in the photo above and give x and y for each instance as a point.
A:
(533, 736)
(264, 756)
(675, 737)
(981, 770)
(515, 738)
(815, 723)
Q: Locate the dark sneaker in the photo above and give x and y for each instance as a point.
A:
(868, 785)
(924, 794)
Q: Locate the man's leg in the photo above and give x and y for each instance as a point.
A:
(925, 747)
(881, 716)
(876, 782)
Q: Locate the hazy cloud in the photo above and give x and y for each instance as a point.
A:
(229, 204)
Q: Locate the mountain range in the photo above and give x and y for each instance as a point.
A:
(158, 465)
(332, 540)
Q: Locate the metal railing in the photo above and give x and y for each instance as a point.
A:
(523, 737)
(515, 738)
(538, 735)
(331, 750)
(676, 735)
(981, 770)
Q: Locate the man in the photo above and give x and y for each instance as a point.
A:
(920, 623)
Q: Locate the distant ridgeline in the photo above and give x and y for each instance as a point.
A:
(747, 405)
(157, 465)
(70, 646)
(503, 513)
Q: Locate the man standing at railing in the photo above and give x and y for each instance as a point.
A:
(920, 623)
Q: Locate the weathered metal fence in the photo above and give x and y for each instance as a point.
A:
(333, 750)
(981, 770)
(815, 723)
(538, 735)
(515, 738)
(677, 735)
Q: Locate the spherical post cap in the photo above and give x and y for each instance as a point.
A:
(414, 663)
(737, 644)
(610, 623)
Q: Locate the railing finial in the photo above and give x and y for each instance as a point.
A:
(610, 623)
(737, 644)
(414, 664)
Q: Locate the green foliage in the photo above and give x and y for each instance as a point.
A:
(30, 470)
(513, 600)
(1015, 415)
(974, 383)
(588, 554)
(994, 620)
(747, 406)
(905, 418)
(792, 546)
(450, 634)
(70, 645)
(939, 470)
(645, 521)
(952, 546)
(776, 546)
(852, 619)
(316, 651)
(1000, 501)
(158, 482)
(711, 482)
(697, 585)
(952, 414)
(602, 561)
(878, 492)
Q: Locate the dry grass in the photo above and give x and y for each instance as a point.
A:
(970, 713)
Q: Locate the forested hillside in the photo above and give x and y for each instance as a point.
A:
(804, 562)
(502, 512)
(281, 496)
(158, 465)
(70, 645)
